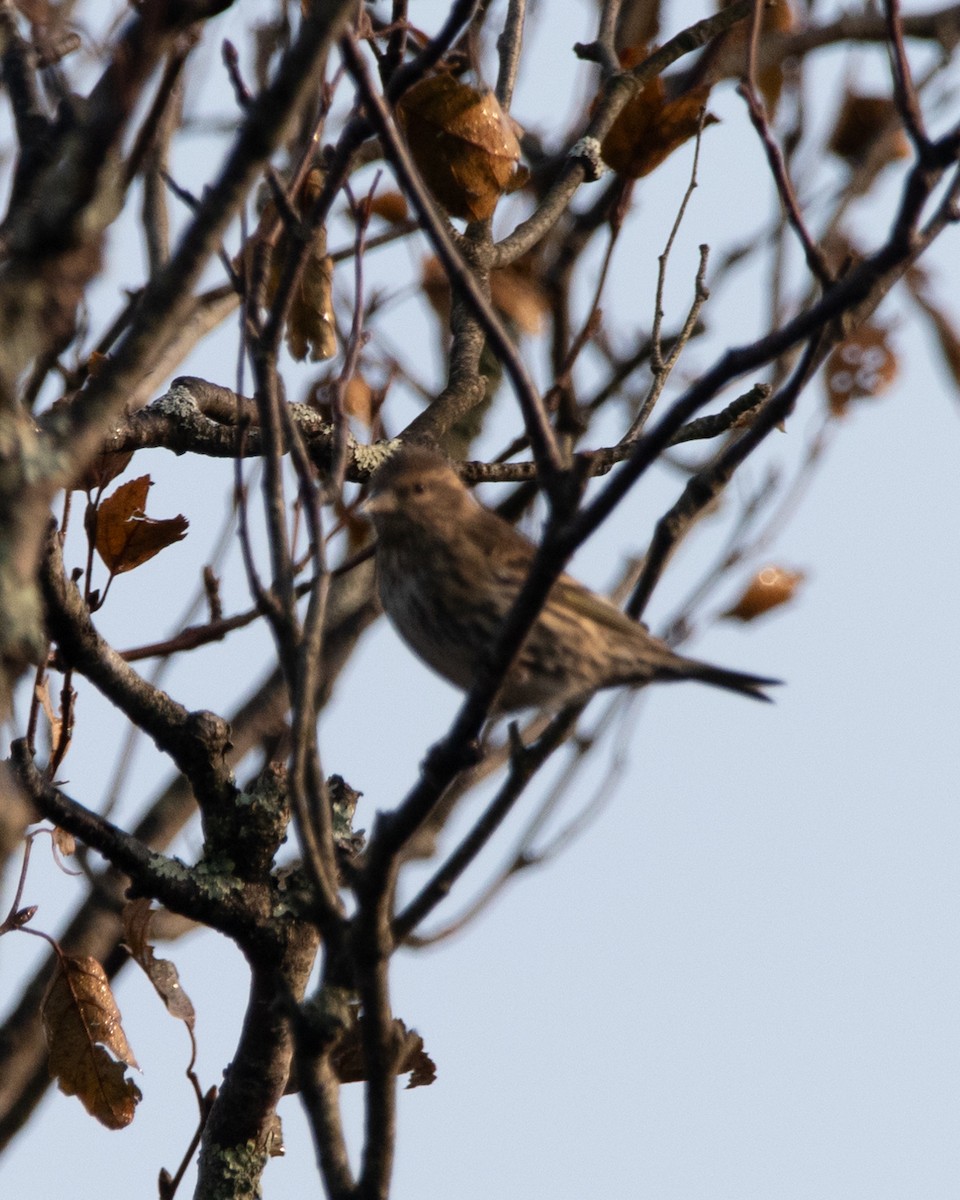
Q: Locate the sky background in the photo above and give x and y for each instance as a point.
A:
(742, 979)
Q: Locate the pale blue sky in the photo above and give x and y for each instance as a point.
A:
(742, 981)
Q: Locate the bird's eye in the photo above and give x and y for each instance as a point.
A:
(419, 489)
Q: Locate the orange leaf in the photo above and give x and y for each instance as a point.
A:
(768, 589)
(391, 206)
(863, 365)
(125, 536)
(359, 400)
(650, 127)
(88, 1051)
(462, 142)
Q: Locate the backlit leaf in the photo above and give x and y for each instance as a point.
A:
(88, 1051)
(162, 973)
(651, 126)
(462, 142)
(125, 536)
(769, 588)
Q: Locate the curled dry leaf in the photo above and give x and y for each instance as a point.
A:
(868, 129)
(862, 366)
(731, 54)
(651, 126)
(102, 470)
(88, 1051)
(162, 973)
(769, 588)
(463, 144)
(947, 334)
(125, 537)
(406, 1046)
(391, 206)
(310, 325)
(359, 400)
(516, 291)
(65, 842)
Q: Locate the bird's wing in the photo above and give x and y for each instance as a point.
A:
(511, 553)
(579, 599)
(503, 545)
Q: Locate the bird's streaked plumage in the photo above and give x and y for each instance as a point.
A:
(449, 571)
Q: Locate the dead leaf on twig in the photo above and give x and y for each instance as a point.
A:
(463, 143)
(125, 537)
(137, 916)
(88, 1051)
(651, 125)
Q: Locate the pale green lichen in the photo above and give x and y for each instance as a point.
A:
(178, 403)
(232, 1172)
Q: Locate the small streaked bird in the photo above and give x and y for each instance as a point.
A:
(449, 571)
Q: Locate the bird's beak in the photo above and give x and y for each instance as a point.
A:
(379, 503)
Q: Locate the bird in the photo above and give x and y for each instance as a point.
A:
(449, 571)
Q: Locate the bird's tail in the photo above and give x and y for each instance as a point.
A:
(678, 667)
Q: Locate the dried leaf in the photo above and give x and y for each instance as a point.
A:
(769, 588)
(519, 296)
(310, 324)
(391, 206)
(88, 1051)
(638, 22)
(65, 843)
(868, 129)
(946, 332)
(462, 142)
(42, 692)
(359, 401)
(162, 973)
(516, 291)
(406, 1047)
(102, 470)
(863, 365)
(650, 127)
(125, 536)
(731, 56)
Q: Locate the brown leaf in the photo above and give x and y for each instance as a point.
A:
(462, 142)
(65, 843)
(88, 1051)
(868, 128)
(42, 693)
(310, 324)
(516, 291)
(769, 588)
(162, 973)
(731, 55)
(125, 536)
(391, 206)
(650, 127)
(638, 22)
(103, 470)
(519, 295)
(358, 400)
(863, 365)
(406, 1049)
(946, 332)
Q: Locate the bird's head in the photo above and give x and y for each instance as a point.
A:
(416, 485)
